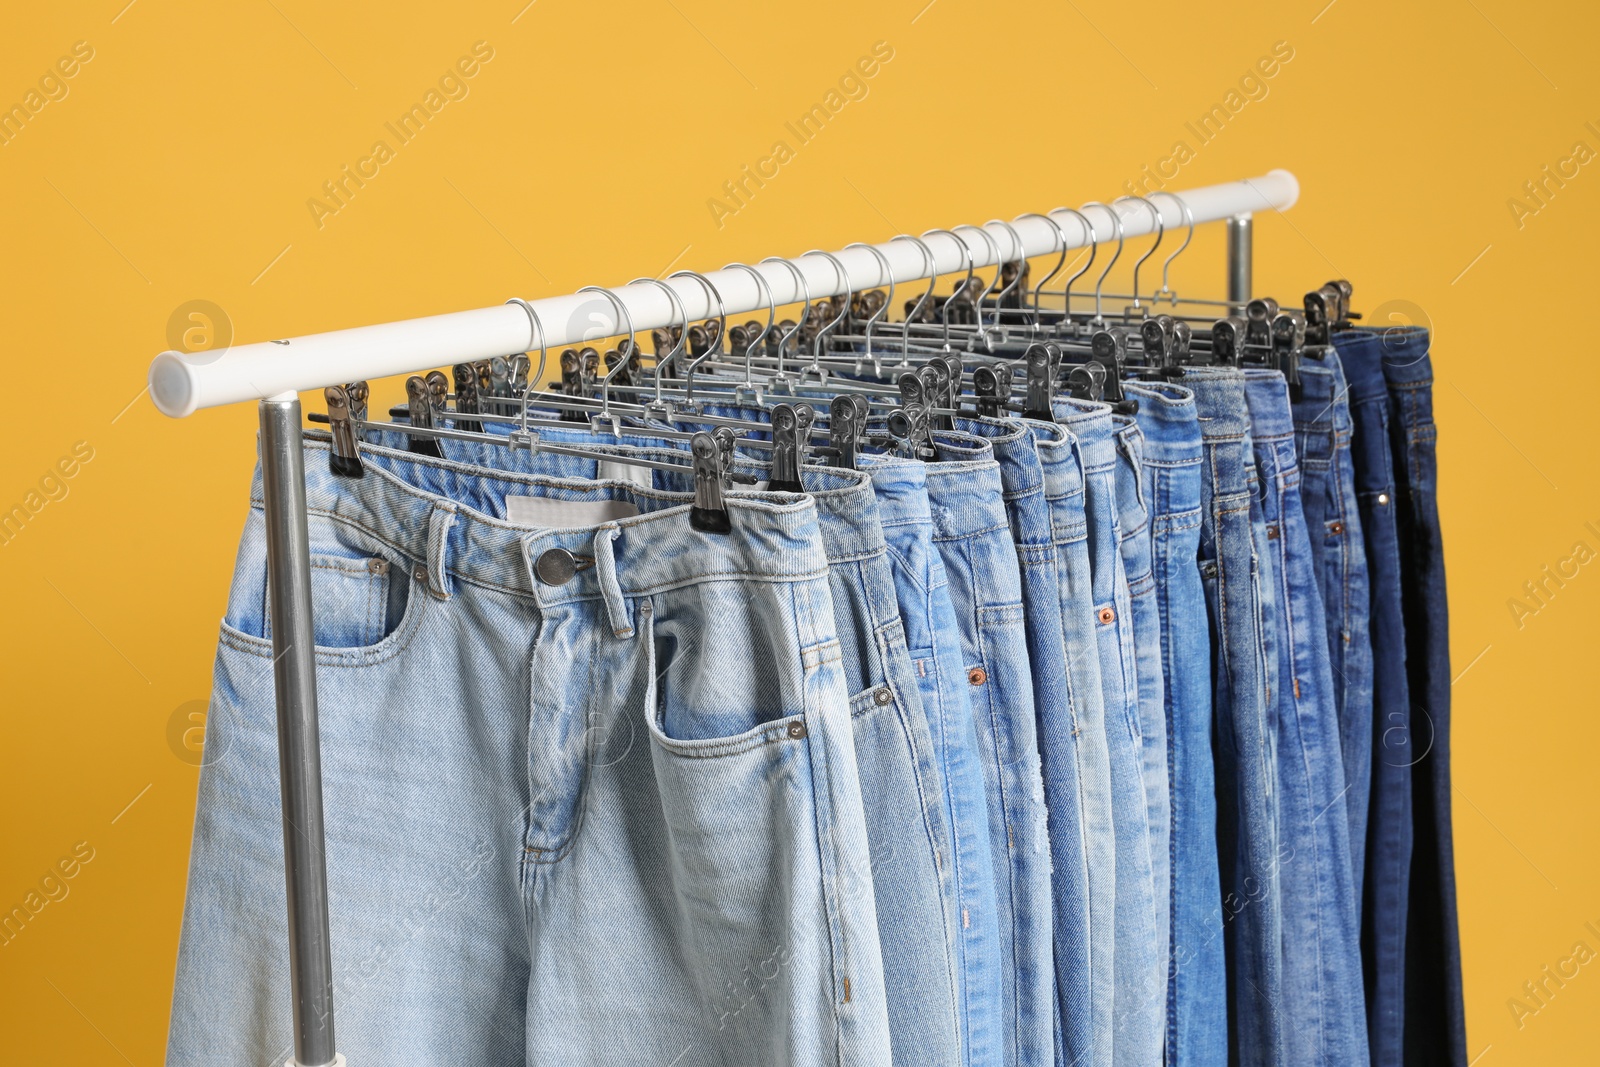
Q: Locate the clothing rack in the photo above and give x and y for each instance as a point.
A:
(274, 372)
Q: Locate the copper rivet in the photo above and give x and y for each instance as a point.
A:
(1107, 615)
(977, 676)
(797, 730)
(882, 695)
(1272, 533)
(1337, 527)
(1383, 498)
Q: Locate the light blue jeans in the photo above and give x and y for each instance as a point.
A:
(1141, 972)
(561, 829)
(902, 783)
(1064, 494)
(973, 537)
(1197, 1001)
(934, 638)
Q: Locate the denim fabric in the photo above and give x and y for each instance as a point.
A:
(596, 809)
(973, 537)
(1328, 495)
(1138, 561)
(935, 642)
(1239, 601)
(1387, 878)
(902, 786)
(1435, 1021)
(1197, 1004)
(1140, 966)
(1083, 980)
(1321, 932)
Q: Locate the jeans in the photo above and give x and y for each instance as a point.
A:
(1387, 880)
(1138, 560)
(971, 532)
(934, 638)
(1435, 1022)
(1140, 967)
(1197, 1015)
(1239, 602)
(1328, 497)
(1321, 932)
(1082, 979)
(596, 809)
(908, 832)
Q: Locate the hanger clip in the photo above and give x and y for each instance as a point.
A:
(1087, 381)
(466, 376)
(846, 418)
(712, 464)
(345, 460)
(785, 450)
(420, 411)
(1040, 365)
(910, 422)
(991, 384)
(1288, 340)
(1109, 348)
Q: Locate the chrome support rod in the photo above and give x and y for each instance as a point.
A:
(299, 754)
(1239, 234)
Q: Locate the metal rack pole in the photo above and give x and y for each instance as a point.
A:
(299, 754)
(1239, 256)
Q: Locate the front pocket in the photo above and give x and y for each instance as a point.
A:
(353, 601)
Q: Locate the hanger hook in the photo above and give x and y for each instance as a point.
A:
(1188, 218)
(772, 313)
(722, 327)
(1116, 225)
(849, 291)
(683, 331)
(802, 287)
(622, 362)
(1161, 230)
(1060, 235)
(994, 250)
(1094, 250)
(876, 316)
(535, 332)
(916, 311)
(966, 251)
(1022, 261)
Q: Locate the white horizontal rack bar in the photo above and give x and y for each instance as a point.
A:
(181, 384)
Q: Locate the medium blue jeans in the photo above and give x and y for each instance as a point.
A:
(1435, 1027)
(973, 536)
(1140, 968)
(1387, 879)
(1239, 601)
(595, 807)
(1057, 707)
(1197, 1003)
(1321, 932)
(1328, 495)
(934, 638)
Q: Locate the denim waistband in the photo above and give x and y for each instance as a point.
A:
(1323, 405)
(1405, 355)
(1219, 401)
(1266, 394)
(1090, 425)
(966, 499)
(1169, 419)
(1361, 356)
(902, 488)
(1014, 451)
(445, 513)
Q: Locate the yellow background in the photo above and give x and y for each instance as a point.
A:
(178, 168)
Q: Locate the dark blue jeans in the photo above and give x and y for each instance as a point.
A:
(1238, 600)
(1197, 1002)
(1386, 886)
(1322, 431)
(1323, 1000)
(1435, 1023)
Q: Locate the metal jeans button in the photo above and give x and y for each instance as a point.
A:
(556, 566)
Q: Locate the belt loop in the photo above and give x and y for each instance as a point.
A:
(605, 564)
(439, 523)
